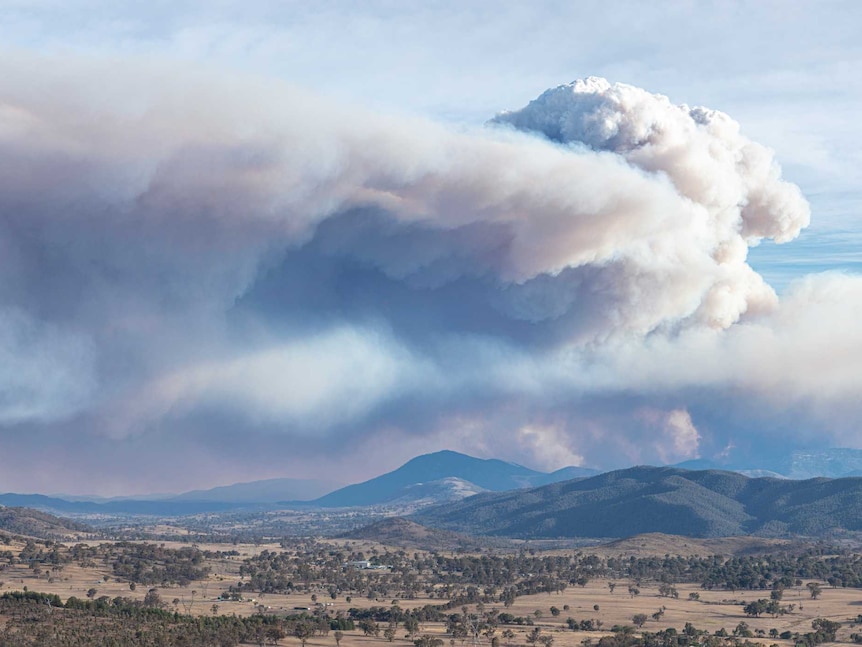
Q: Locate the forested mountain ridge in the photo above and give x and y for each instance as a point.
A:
(638, 500)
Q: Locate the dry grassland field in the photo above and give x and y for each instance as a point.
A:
(712, 611)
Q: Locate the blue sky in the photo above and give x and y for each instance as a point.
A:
(248, 233)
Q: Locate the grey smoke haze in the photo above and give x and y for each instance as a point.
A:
(219, 278)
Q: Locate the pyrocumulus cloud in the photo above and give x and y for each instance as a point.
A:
(193, 259)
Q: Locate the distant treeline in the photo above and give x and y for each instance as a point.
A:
(38, 619)
(501, 578)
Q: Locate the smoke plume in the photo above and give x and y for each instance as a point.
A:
(192, 258)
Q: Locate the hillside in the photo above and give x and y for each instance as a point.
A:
(440, 491)
(658, 544)
(481, 474)
(403, 533)
(33, 523)
(660, 499)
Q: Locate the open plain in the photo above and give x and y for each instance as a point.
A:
(447, 594)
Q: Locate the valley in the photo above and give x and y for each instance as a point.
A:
(488, 596)
(644, 556)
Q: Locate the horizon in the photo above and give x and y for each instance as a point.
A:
(279, 240)
(329, 487)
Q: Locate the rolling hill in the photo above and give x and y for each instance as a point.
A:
(658, 544)
(33, 523)
(397, 531)
(667, 500)
(473, 474)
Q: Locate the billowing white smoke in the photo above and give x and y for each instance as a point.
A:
(700, 150)
(192, 176)
(139, 218)
(702, 153)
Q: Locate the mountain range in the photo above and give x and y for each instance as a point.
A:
(467, 483)
(265, 491)
(833, 462)
(668, 500)
(427, 479)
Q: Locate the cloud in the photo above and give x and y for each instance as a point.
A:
(202, 258)
(678, 438)
(46, 373)
(549, 446)
(807, 349)
(703, 154)
(318, 382)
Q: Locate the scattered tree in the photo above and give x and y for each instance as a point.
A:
(814, 589)
(303, 631)
(428, 641)
(546, 640)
